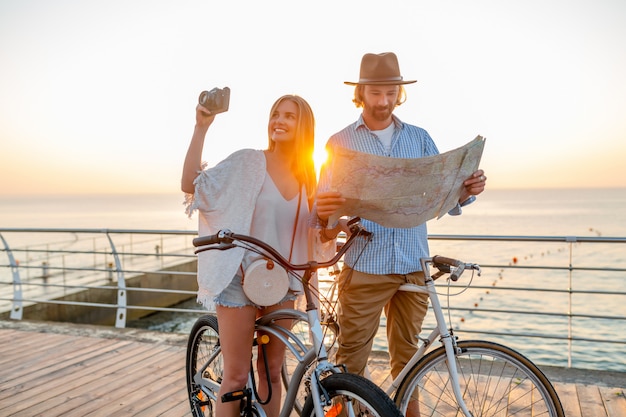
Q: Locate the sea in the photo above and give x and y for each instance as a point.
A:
(545, 213)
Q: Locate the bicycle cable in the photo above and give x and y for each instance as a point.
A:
(448, 295)
(269, 382)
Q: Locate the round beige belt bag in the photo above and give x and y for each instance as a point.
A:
(265, 283)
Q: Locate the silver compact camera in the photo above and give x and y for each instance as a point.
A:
(216, 100)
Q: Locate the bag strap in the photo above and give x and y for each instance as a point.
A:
(293, 235)
(295, 223)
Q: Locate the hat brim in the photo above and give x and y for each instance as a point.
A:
(393, 82)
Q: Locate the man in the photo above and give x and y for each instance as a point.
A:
(372, 273)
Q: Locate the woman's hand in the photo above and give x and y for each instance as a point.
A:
(204, 118)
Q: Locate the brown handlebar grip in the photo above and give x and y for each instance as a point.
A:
(454, 274)
(437, 259)
(206, 240)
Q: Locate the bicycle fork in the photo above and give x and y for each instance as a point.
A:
(317, 390)
(321, 397)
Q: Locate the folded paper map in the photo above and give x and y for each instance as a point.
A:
(402, 192)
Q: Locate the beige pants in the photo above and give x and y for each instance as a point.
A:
(362, 298)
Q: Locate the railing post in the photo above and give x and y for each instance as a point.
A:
(110, 272)
(45, 271)
(120, 316)
(45, 274)
(26, 258)
(64, 275)
(18, 308)
(571, 240)
(162, 248)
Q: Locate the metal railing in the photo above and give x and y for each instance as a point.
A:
(562, 280)
(578, 282)
(48, 264)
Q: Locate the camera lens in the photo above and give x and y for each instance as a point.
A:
(203, 97)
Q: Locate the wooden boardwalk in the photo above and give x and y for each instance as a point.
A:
(54, 369)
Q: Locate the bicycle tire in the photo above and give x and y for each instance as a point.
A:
(202, 342)
(494, 379)
(362, 394)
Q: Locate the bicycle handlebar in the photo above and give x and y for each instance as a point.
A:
(453, 266)
(224, 239)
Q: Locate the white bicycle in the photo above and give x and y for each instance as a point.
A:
(464, 378)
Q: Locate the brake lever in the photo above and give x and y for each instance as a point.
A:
(221, 246)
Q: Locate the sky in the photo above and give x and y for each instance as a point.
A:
(100, 96)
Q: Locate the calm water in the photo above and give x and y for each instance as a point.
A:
(508, 212)
(597, 212)
(151, 211)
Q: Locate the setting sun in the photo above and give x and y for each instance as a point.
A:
(319, 158)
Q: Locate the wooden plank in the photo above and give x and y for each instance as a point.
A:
(15, 352)
(133, 404)
(180, 410)
(30, 367)
(590, 401)
(175, 404)
(56, 348)
(380, 376)
(614, 401)
(106, 392)
(52, 364)
(84, 382)
(132, 397)
(74, 375)
(77, 374)
(77, 400)
(569, 399)
(10, 338)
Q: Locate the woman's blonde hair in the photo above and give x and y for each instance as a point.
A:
(303, 165)
(358, 95)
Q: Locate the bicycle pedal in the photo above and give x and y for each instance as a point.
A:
(235, 395)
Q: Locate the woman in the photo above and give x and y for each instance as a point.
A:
(266, 194)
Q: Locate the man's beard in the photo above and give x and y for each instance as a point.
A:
(381, 113)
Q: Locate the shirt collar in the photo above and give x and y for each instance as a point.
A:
(361, 123)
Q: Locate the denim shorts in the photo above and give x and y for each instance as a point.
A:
(233, 296)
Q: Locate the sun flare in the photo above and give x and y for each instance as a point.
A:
(319, 158)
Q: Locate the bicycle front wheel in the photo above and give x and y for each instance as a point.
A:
(202, 343)
(352, 395)
(495, 381)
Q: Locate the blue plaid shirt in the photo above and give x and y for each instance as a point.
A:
(391, 250)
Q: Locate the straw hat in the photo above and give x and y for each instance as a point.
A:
(380, 69)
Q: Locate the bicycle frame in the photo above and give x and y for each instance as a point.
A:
(208, 386)
(327, 380)
(305, 357)
(441, 331)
